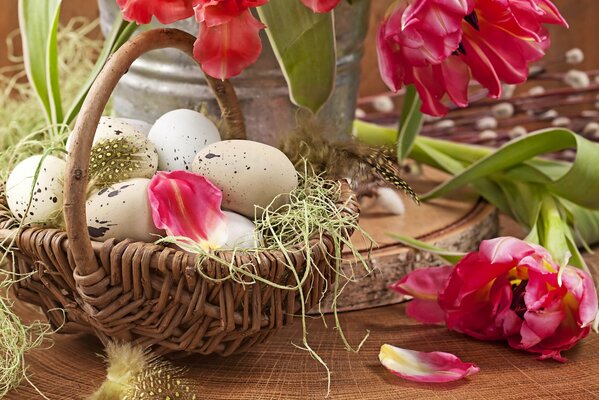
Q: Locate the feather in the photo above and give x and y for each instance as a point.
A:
(364, 165)
(133, 373)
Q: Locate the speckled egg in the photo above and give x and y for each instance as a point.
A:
(179, 135)
(118, 159)
(241, 232)
(142, 126)
(122, 211)
(46, 203)
(113, 128)
(249, 174)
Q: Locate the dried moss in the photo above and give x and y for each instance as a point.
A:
(311, 212)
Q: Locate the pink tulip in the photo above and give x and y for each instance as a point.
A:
(188, 205)
(508, 290)
(439, 45)
(435, 367)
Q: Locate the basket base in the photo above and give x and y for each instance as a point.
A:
(459, 222)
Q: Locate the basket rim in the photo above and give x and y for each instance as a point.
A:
(9, 228)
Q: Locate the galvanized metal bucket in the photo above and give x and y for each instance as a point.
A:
(166, 79)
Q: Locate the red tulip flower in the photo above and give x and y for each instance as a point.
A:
(439, 45)
(508, 290)
(229, 36)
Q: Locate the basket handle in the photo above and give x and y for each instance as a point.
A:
(76, 178)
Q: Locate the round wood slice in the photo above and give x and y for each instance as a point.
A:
(457, 222)
(72, 368)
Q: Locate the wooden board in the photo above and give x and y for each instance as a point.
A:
(458, 222)
(71, 369)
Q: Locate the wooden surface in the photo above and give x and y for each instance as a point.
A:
(71, 369)
(458, 222)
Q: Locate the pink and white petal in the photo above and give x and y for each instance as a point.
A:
(188, 205)
(417, 366)
(225, 50)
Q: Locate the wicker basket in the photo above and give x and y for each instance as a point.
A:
(146, 293)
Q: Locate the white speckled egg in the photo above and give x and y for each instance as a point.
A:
(249, 174)
(122, 211)
(179, 135)
(141, 126)
(113, 128)
(46, 203)
(241, 232)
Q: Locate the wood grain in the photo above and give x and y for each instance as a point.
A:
(71, 369)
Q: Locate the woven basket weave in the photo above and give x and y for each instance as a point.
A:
(145, 293)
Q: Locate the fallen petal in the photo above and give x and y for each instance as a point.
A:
(417, 366)
(188, 205)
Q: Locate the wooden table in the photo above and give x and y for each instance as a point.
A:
(71, 369)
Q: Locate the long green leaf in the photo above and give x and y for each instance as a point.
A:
(487, 188)
(568, 186)
(410, 123)
(304, 43)
(452, 257)
(374, 135)
(39, 28)
(121, 32)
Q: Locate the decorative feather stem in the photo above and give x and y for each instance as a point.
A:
(364, 165)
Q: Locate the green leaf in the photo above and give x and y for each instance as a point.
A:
(487, 188)
(304, 43)
(38, 21)
(374, 135)
(524, 149)
(121, 32)
(452, 257)
(584, 221)
(410, 123)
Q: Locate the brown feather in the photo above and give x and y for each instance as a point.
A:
(364, 165)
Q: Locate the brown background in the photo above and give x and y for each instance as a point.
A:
(583, 16)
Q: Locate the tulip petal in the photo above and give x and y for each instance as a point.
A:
(417, 366)
(165, 11)
(321, 6)
(225, 50)
(188, 205)
(424, 285)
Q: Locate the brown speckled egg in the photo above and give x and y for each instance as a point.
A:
(122, 211)
(249, 174)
